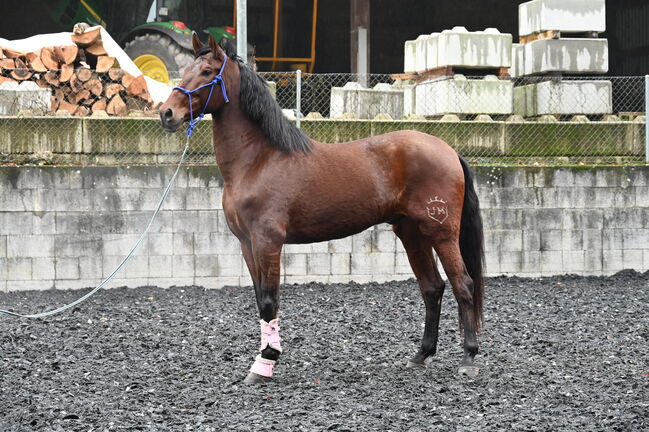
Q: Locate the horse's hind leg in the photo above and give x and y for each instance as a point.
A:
(451, 258)
(431, 285)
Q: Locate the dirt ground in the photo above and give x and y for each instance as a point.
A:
(561, 353)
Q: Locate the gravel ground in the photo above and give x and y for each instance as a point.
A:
(561, 353)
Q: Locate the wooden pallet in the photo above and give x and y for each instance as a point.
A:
(555, 34)
(449, 71)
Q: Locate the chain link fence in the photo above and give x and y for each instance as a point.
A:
(488, 120)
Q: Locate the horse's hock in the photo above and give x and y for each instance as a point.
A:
(66, 227)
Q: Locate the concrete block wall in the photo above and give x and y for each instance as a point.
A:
(68, 227)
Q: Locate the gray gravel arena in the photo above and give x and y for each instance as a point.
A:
(561, 353)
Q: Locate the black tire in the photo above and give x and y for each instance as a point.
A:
(174, 57)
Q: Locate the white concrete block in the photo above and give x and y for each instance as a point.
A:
(409, 54)
(569, 16)
(366, 103)
(421, 52)
(16, 97)
(43, 268)
(458, 95)
(68, 268)
(160, 266)
(564, 97)
(480, 49)
(572, 55)
(319, 264)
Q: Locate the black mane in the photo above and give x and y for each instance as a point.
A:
(260, 107)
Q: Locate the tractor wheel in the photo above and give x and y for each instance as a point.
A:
(158, 56)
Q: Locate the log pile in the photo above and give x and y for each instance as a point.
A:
(83, 78)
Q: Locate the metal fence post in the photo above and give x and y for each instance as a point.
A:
(646, 118)
(298, 98)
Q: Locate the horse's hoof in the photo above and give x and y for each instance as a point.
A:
(254, 378)
(413, 364)
(470, 371)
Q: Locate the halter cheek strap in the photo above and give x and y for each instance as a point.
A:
(218, 79)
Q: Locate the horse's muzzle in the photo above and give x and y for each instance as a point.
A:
(169, 123)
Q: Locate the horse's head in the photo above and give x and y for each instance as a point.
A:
(202, 89)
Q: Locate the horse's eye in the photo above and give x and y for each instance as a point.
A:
(207, 72)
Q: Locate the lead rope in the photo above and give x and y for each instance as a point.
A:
(218, 79)
(121, 264)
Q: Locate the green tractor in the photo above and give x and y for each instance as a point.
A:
(152, 32)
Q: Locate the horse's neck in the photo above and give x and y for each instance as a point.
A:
(238, 143)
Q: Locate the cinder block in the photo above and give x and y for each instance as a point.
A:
(30, 246)
(382, 263)
(511, 262)
(216, 282)
(383, 241)
(340, 263)
(183, 243)
(160, 266)
(641, 196)
(228, 265)
(182, 266)
(16, 200)
(206, 266)
(459, 95)
(68, 268)
(343, 245)
(295, 264)
(200, 199)
(77, 200)
(573, 16)
(572, 240)
(90, 267)
(215, 243)
(186, 221)
(208, 221)
(612, 261)
(121, 244)
(552, 261)
(570, 55)
(401, 264)
(137, 267)
(633, 259)
(531, 262)
(551, 240)
(24, 96)
(573, 261)
(17, 269)
(318, 264)
(15, 222)
(30, 285)
(297, 249)
(160, 244)
(361, 264)
(362, 242)
(109, 264)
(531, 240)
(3, 246)
(592, 239)
(564, 98)
(222, 222)
(593, 260)
(635, 238)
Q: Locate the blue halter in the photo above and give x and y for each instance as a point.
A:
(218, 79)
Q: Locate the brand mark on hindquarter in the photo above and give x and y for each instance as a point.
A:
(437, 209)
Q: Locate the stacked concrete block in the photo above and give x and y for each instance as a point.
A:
(549, 54)
(459, 95)
(480, 50)
(365, 103)
(25, 96)
(564, 97)
(568, 16)
(409, 55)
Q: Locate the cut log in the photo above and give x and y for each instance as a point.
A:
(86, 38)
(137, 86)
(54, 103)
(99, 105)
(105, 63)
(12, 54)
(66, 54)
(127, 79)
(34, 61)
(116, 106)
(80, 97)
(67, 70)
(7, 63)
(52, 77)
(115, 74)
(49, 59)
(59, 94)
(96, 49)
(82, 111)
(76, 85)
(1, 55)
(42, 83)
(21, 72)
(95, 86)
(84, 74)
(66, 106)
(113, 89)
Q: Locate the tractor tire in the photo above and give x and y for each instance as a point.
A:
(158, 56)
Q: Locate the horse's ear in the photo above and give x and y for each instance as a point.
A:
(215, 47)
(196, 42)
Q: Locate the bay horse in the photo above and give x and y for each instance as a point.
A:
(281, 187)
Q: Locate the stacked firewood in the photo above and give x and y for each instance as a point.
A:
(82, 77)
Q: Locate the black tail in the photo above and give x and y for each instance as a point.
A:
(472, 241)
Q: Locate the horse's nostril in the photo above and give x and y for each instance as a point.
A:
(168, 114)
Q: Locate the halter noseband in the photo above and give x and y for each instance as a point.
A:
(217, 79)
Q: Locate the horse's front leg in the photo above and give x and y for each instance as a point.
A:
(266, 254)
